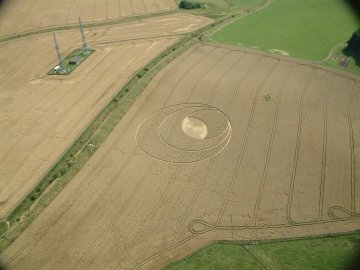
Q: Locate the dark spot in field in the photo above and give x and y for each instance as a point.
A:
(355, 7)
(2, 267)
(355, 263)
(3, 3)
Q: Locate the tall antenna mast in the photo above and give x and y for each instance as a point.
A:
(59, 58)
(85, 46)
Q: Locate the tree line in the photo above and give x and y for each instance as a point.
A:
(185, 4)
(353, 47)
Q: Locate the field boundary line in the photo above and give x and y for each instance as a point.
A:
(288, 59)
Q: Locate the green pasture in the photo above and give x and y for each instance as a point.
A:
(304, 29)
(327, 253)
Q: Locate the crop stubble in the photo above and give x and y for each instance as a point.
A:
(289, 169)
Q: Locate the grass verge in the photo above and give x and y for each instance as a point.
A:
(337, 59)
(67, 66)
(3, 227)
(327, 253)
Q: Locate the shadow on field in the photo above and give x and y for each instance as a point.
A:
(354, 264)
(353, 44)
(355, 7)
(2, 4)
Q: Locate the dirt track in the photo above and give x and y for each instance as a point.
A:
(40, 14)
(280, 160)
(41, 115)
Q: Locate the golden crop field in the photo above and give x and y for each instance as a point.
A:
(224, 144)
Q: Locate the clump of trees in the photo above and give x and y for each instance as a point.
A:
(185, 4)
(353, 47)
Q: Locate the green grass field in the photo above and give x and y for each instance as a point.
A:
(304, 29)
(328, 253)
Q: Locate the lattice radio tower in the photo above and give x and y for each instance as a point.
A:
(59, 58)
(85, 47)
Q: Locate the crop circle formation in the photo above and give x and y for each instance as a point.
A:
(184, 133)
